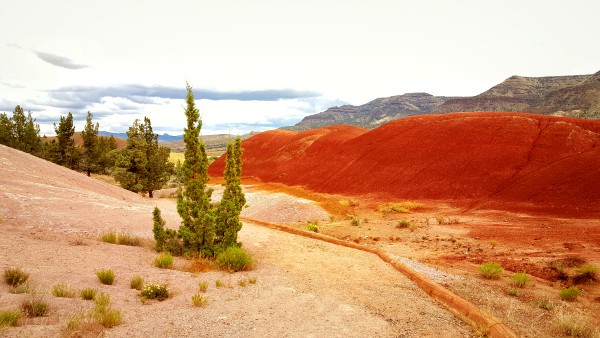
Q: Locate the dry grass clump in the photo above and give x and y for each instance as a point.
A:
(63, 290)
(88, 294)
(199, 301)
(447, 220)
(35, 306)
(585, 274)
(93, 322)
(9, 318)
(234, 259)
(399, 207)
(199, 265)
(121, 239)
(136, 283)
(569, 294)
(348, 203)
(519, 279)
(575, 325)
(15, 276)
(164, 261)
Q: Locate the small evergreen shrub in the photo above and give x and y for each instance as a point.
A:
(199, 301)
(106, 276)
(164, 261)
(519, 279)
(88, 294)
(155, 291)
(234, 259)
(15, 276)
(312, 227)
(490, 270)
(136, 283)
(62, 290)
(203, 286)
(569, 294)
(35, 306)
(9, 318)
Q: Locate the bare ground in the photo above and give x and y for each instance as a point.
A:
(52, 218)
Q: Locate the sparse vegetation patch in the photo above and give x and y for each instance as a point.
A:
(519, 279)
(234, 259)
(63, 290)
(490, 270)
(88, 294)
(569, 294)
(9, 318)
(199, 301)
(575, 325)
(400, 207)
(586, 273)
(136, 283)
(106, 277)
(35, 306)
(15, 276)
(121, 239)
(155, 291)
(164, 261)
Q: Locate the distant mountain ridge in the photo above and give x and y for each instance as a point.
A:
(572, 95)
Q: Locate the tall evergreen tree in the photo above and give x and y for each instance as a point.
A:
(143, 166)
(233, 200)
(6, 127)
(193, 202)
(90, 157)
(25, 132)
(65, 152)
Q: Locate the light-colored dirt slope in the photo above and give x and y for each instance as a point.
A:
(304, 288)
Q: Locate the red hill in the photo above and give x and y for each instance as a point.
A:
(510, 161)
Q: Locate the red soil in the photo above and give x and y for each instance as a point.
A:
(509, 161)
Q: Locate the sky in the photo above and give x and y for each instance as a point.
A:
(259, 65)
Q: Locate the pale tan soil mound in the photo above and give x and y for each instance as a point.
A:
(508, 161)
(51, 218)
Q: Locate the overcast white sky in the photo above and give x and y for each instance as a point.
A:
(258, 65)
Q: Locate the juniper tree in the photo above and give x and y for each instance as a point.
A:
(65, 153)
(6, 137)
(193, 201)
(233, 200)
(90, 145)
(143, 166)
(20, 132)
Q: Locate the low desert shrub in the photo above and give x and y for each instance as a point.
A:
(35, 306)
(219, 284)
(136, 283)
(348, 203)
(519, 279)
(106, 276)
(312, 227)
(88, 294)
(234, 259)
(440, 219)
(104, 314)
(490, 270)
(9, 318)
(252, 280)
(199, 301)
(164, 261)
(400, 207)
(121, 239)
(403, 223)
(569, 294)
(585, 273)
(575, 325)
(15, 276)
(155, 291)
(242, 283)
(20, 288)
(203, 286)
(514, 292)
(62, 290)
(355, 221)
(545, 304)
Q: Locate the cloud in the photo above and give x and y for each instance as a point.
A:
(53, 59)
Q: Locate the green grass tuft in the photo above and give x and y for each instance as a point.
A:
(519, 279)
(203, 286)
(491, 270)
(106, 277)
(88, 294)
(569, 294)
(234, 259)
(164, 261)
(199, 301)
(136, 283)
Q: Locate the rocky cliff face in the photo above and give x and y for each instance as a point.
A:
(575, 96)
(374, 113)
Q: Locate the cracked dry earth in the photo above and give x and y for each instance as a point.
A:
(51, 220)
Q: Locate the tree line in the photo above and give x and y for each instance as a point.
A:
(142, 166)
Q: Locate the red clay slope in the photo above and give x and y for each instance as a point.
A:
(509, 161)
